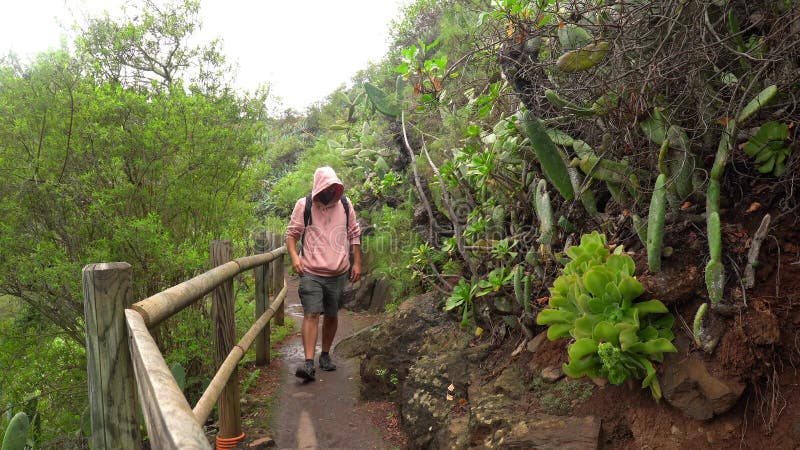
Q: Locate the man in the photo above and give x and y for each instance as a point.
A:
(329, 234)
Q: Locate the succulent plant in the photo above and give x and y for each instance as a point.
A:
(550, 159)
(584, 58)
(592, 301)
(655, 224)
(383, 102)
(16, 436)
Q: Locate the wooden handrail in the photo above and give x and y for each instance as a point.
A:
(209, 398)
(160, 307)
(169, 418)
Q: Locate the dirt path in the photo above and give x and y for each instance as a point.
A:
(325, 413)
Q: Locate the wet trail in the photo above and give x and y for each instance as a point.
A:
(323, 413)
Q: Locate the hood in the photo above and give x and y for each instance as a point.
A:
(324, 177)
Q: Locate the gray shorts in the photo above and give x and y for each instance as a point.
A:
(321, 294)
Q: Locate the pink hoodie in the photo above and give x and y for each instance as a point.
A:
(326, 246)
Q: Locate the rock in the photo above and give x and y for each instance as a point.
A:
(381, 296)
(675, 430)
(675, 284)
(688, 386)
(357, 296)
(265, 442)
(552, 374)
(534, 343)
(599, 382)
(511, 382)
(544, 431)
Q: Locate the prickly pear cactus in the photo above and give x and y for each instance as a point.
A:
(17, 433)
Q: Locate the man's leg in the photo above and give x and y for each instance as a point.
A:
(311, 295)
(310, 327)
(329, 325)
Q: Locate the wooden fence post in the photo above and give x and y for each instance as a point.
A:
(230, 421)
(112, 386)
(277, 278)
(262, 245)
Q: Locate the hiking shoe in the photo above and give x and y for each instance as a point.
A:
(325, 363)
(305, 371)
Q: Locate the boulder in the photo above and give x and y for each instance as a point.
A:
(381, 295)
(689, 386)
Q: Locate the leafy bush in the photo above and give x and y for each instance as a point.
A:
(387, 251)
(592, 301)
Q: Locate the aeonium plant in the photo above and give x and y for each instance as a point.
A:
(593, 303)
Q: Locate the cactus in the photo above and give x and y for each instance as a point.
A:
(383, 102)
(545, 213)
(572, 37)
(715, 270)
(640, 227)
(562, 103)
(714, 236)
(584, 58)
(518, 292)
(16, 436)
(655, 224)
(550, 159)
(698, 324)
(586, 196)
(715, 281)
(761, 100)
(526, 292)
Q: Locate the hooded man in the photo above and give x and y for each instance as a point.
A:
(329, 236)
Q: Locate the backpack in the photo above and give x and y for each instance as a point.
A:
(307, 221)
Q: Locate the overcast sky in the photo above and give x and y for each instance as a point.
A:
(304, 48)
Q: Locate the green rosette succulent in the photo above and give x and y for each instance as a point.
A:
(593, 302)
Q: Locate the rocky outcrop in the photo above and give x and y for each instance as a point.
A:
(421, 358)
(367, 294)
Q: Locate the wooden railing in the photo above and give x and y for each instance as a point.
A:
(124, 360)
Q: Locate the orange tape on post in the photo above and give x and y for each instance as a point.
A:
(228, 443)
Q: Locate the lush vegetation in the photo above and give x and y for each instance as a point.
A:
(477, 153)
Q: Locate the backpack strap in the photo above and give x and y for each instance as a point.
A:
(307, 220)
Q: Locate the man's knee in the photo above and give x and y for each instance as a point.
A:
(312, 316)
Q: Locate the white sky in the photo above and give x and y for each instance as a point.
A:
(304, 48)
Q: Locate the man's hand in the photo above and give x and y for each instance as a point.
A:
(297, 265)
(355, 272)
